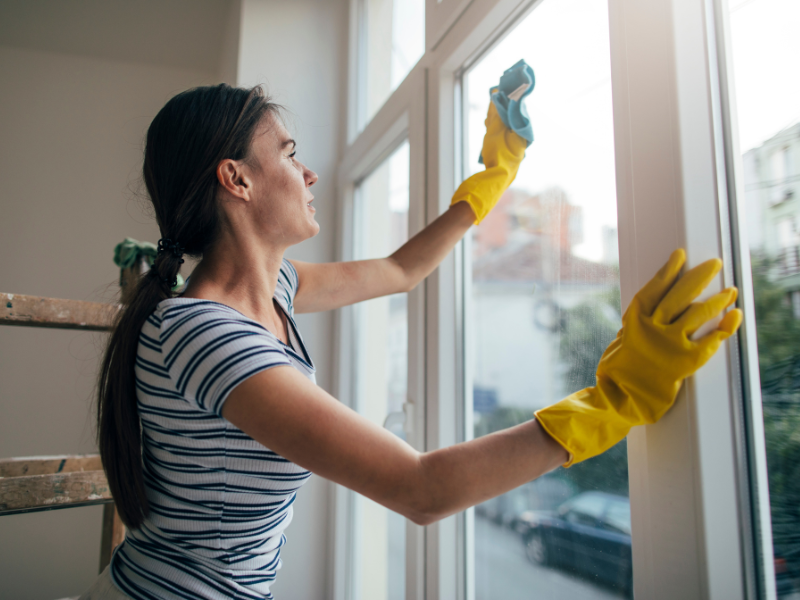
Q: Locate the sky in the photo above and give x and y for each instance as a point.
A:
(765, 35)
(567, 44)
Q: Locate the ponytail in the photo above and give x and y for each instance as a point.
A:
(189, 137)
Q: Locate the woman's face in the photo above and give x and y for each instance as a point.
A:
(281, 183)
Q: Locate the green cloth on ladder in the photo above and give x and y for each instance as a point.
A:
(131, 251)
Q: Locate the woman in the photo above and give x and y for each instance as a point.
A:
(209, 418)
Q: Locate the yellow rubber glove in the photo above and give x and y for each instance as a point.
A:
(641, 371)
(503, 151)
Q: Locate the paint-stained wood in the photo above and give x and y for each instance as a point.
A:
(35, 311)
(113, 534)
(48, 492)
(48, 465)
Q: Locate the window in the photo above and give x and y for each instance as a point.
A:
(764, 32)
(391, 41)
(786, 232)
(381, 367)
(544, 299)
(779, 160)
(599, 205)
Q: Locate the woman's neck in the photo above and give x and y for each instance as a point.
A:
(243, 277)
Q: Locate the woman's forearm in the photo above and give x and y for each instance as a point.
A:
(420, 255)
(469, 473)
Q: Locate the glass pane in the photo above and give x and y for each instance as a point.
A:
(393, 34)
(765, 52)
(381, 373)
(544, 306)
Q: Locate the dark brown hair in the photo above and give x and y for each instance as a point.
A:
(186, 141)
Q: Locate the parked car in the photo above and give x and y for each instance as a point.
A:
(589, 533)
(543, 493)
(504, 509)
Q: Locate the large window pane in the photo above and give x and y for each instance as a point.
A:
(381, 373)
(392, 40)
(544, 305)
(766, 48)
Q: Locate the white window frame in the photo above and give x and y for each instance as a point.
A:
(401, 118)
(698, 486)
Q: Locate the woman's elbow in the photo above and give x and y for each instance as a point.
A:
(420, 497)
(421, 518)
(423, 508)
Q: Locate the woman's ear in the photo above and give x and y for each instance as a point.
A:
(233, 178)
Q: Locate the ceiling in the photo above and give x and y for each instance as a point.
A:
(177, 33)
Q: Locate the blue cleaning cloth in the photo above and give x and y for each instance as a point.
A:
(515, 84)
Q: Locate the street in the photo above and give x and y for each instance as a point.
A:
(502, 571)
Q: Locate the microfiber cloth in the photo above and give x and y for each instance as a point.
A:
(515, 84)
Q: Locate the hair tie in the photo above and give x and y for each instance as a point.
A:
(167, 245)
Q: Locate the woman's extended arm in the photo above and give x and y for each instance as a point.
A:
(637, 381)
(288, 414)
(326, 286)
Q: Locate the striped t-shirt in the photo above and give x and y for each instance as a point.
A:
(219, 500)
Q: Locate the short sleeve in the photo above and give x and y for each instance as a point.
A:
(288, 282)
(209, 349)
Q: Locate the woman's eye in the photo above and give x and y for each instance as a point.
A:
(293, 153)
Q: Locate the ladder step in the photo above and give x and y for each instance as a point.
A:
(49, 492)
(48, 465)
(36, 311)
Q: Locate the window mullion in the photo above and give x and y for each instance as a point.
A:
(687, 519)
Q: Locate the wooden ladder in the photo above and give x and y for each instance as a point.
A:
(54, 482)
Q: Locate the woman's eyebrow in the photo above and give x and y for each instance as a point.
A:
(287, 142)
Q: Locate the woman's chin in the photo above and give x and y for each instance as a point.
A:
(314, 228)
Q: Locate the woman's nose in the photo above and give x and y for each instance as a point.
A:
(311, 178)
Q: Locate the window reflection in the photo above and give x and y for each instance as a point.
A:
(381, 373)
(765, 46)
(544, 305)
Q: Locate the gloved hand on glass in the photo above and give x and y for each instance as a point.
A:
(503, 151)
(641, 371)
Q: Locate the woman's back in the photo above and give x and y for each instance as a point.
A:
(219, 501)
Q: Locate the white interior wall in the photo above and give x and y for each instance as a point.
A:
(71, 140)
(71, 131)
(229, 50)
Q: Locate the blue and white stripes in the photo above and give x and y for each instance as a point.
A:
(219, 500)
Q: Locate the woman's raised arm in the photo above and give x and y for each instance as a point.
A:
(326, 286)
(332, 285)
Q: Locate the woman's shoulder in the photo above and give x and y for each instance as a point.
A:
(188, 316)
(181, 308)
(288, 281)
(207, 348)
